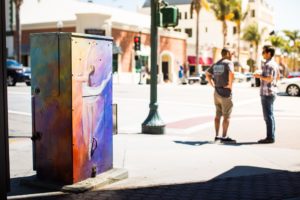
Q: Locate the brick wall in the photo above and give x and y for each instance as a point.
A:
(124, 39)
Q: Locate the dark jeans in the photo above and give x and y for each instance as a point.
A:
(267, 106)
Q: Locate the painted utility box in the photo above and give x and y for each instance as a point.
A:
(71, 105)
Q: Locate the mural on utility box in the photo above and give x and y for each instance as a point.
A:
(91, 102)
(71, 105)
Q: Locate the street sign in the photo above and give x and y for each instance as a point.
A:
(170, 15)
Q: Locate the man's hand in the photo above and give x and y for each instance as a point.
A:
(228, 86)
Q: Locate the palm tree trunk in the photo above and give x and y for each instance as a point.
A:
(256, 56)
(18, 30)
(238, 49)
(224, 33)
(197, 42)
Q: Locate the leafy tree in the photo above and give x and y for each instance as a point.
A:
(294, 37)
(196, 6)
(277, 41)
(253, 35)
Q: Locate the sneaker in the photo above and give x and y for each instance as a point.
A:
(266, 141)
(228, 140)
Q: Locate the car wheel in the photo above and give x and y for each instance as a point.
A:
(293, 90)
(11, 81)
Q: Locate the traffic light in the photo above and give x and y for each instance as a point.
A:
(137, 43)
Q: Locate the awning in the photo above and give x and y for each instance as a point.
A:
(202, 60)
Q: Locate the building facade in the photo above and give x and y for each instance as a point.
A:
(90, 18)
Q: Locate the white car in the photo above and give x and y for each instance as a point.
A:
(291, 86)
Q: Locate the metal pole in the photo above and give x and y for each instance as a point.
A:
(153, 123)
(4, 156)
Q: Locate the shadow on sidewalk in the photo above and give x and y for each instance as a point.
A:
(240, 143)
(19, 188)
(194, 143)
(240, 182)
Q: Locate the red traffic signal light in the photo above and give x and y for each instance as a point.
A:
(137, 43)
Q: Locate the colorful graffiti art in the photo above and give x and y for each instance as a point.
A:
(71, 105)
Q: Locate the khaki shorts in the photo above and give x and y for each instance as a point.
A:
(223, 105)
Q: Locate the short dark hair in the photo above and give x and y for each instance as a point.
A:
(269, 49)
(225, 51)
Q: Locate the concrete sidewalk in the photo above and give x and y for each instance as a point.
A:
(186, 161)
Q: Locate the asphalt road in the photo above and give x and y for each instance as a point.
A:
(176, 102)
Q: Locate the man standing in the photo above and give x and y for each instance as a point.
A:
(220, 76)
(268, 77)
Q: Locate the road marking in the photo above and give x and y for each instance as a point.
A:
(165, 102)
(239, 103)
(19, 113)
(19, 93)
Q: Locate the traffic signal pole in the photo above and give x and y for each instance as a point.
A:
(153, 123)
(4, 156)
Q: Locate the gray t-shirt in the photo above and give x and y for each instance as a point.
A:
(220, 72)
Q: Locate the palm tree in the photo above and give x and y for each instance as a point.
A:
(18, 33)
(252, 35)
(277, 41)
(293, 36)
(238, 17)
(222, 10)
(196, 6)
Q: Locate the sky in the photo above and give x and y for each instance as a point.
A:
(286, 12)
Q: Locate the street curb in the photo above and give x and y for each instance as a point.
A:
(105, 178)
(111, 176)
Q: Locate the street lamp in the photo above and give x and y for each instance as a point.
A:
(59, 25)
(153, 123)
(4, 144)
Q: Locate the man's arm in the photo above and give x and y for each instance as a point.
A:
(267, 79)
(230, 80)
(230, 76)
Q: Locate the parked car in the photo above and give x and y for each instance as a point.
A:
(239, 77)
(199, 77)
(248, 75)
(293, 74)
(291, 86)
(17, 73)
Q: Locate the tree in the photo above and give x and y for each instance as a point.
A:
(277, 41)
(223, 12)
(252, 35)
(293, 37)
(238, 17)
(196, 6)
(18, 33)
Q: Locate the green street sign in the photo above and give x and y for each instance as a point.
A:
(169, 16)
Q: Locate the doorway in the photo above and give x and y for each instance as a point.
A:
(165, 71)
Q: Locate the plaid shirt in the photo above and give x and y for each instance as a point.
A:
(269, 68)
